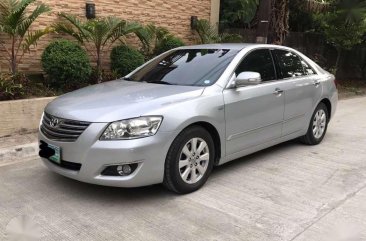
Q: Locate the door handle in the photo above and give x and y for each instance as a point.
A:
(278, 91)
(316, 83)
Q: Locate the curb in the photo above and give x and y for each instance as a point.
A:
(13, 154)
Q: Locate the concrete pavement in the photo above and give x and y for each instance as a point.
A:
(287, 192)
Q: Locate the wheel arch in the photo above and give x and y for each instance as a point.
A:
(214, 134)
(328, 104)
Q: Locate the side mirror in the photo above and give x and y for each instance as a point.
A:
(248, 78)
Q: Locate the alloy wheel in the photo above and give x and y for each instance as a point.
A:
(319, 123)
(193, 160)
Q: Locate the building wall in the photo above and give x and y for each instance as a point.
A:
(175, 15)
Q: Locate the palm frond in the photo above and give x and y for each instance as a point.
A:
(74, 22)
(145, 35)
(17, 14)
(32, 38)
(206, 32)
(24, 26)
(68, 29)
(122, 29)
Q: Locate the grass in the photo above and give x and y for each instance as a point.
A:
(351, 88)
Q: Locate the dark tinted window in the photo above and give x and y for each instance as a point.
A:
(307, 68)
(193, 67)
(258, 61)
(289, 64)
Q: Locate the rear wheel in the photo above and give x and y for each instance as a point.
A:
(189, 160)
(318, 126)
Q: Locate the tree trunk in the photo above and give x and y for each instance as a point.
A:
(279, 23)
(13, 64)
(99, 67)
(263, 14)
(338, 61)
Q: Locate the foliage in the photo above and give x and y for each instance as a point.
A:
(99, 34)
(105, 75)
(209, 34)
(125, 59)
(238, 13)
(15, 22)
(66, 64)
(20, 86)
(10, 87)
(300, 19)
(344, 25)
(156, 40)
(168, 44)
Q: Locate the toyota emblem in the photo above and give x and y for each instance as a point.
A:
(54, 122)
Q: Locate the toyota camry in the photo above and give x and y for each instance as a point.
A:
(177, 116)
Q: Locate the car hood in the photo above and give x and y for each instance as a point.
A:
(117, 100)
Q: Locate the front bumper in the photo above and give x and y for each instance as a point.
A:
(95, 155)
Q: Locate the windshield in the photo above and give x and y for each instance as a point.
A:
(190, 67)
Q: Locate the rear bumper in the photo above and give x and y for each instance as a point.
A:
(95, 155)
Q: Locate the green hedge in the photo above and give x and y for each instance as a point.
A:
(125, 59)
(67, 65)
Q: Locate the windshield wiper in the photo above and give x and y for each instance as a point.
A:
(161, 82)
(127, 78)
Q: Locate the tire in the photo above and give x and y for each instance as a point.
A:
(198, 168)
(312, 138)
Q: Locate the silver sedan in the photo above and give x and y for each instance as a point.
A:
(174, 118)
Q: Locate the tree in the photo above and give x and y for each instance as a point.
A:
(97, 34)
(344, 25)
(238, 13)
(279, 23)
(208, 34)
(151, 37)
(15, 22)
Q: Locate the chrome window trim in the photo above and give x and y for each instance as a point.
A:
(244, 53)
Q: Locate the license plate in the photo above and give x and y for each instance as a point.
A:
(57, 156)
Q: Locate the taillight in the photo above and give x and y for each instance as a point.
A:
(336, 83)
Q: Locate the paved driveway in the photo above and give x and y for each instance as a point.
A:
(287, 192)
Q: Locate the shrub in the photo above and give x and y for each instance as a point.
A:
(66, 64)
(20, 86)
(168, 44)
(125, 59)
(11, 87)
(104, 76)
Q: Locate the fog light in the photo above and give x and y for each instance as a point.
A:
(120, 170)
(124, 170)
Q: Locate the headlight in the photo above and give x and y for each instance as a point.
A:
(132, 128)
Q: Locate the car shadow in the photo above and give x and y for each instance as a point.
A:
(224, 169)
(107, 194)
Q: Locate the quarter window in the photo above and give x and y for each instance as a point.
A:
(290, 65)
(258, 61)
(308, 69)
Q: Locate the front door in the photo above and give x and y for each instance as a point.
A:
(254, 114)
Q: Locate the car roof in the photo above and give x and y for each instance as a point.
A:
(235, 46)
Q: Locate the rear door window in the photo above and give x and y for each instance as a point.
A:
(289, 64)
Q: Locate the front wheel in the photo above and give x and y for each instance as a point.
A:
(318, 126)
(189, 160)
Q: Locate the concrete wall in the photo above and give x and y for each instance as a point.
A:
(20, 116)
(175, 15)
(215, 13)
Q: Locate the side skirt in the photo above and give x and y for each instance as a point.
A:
(259, 147)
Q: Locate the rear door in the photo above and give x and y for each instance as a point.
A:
(301, 89)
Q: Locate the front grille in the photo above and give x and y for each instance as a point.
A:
(59, 129)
